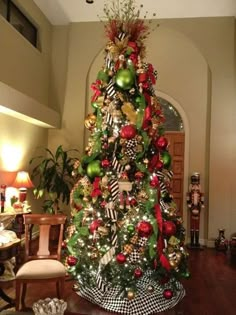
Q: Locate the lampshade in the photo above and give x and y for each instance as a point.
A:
(22, 180)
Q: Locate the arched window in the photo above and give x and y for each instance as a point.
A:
(173, 119)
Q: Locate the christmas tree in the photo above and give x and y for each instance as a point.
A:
(125, 245)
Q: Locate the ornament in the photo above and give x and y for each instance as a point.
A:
(161, 143)
(168, 294)
(103, 250)
(130, 228)
(90, 121)
(169, 228)
(71, 261)
(94, 225)
(138, 273)
(120, 258)
(94, 169)
(64, 245)
(133, 202)
(130, 295)
(144, 228)
(105, 163)
(186, 274)
(128, 132)
(124, 79)
(166, 159)
(150, 288)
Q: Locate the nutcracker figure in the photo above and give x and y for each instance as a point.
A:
(195, 202)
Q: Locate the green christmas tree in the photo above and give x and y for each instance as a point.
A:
(125, 246)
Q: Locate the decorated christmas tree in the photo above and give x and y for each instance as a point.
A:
(125, 245)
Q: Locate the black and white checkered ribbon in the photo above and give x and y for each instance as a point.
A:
(142, 241)
(131, 143)
(130, 153)
(134, 256)
(145, 302)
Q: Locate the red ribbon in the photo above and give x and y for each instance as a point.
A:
(96, 88)
(96, 190)
(160, 244)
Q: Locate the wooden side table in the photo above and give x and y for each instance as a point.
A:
(7, 251)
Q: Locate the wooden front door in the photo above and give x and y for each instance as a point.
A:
(176, 149)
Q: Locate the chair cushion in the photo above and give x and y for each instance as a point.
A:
(41, 269)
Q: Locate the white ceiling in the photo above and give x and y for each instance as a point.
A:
(61, 12)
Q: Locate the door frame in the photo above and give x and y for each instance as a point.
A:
(183, 115)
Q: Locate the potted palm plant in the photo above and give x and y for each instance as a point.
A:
(53, 177)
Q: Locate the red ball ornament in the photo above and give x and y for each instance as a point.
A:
(120, 258)
(133, 202)
(128, 132)
(169, 228)
(105, 163)
(144, 229)
(71, 261)
(161, 143)
(138, 273)
(168, 294)
(63, 245)
(94, 225)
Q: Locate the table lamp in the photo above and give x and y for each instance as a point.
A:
(22, 182)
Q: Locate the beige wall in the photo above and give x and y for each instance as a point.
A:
(22, 65)
(24, 89)
(195, 61)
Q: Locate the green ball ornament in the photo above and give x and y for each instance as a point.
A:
(166, 159)
(103, 76)
(103, 250)
(131, 228)
(124, 79)
(94, 169)
(186, 274)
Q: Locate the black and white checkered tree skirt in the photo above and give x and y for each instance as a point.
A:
(144, 303)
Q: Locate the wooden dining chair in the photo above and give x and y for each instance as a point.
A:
(45, 264)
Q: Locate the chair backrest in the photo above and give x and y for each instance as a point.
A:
(44, 222)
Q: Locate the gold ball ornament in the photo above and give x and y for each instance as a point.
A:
(90, 121)
(130, 295)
